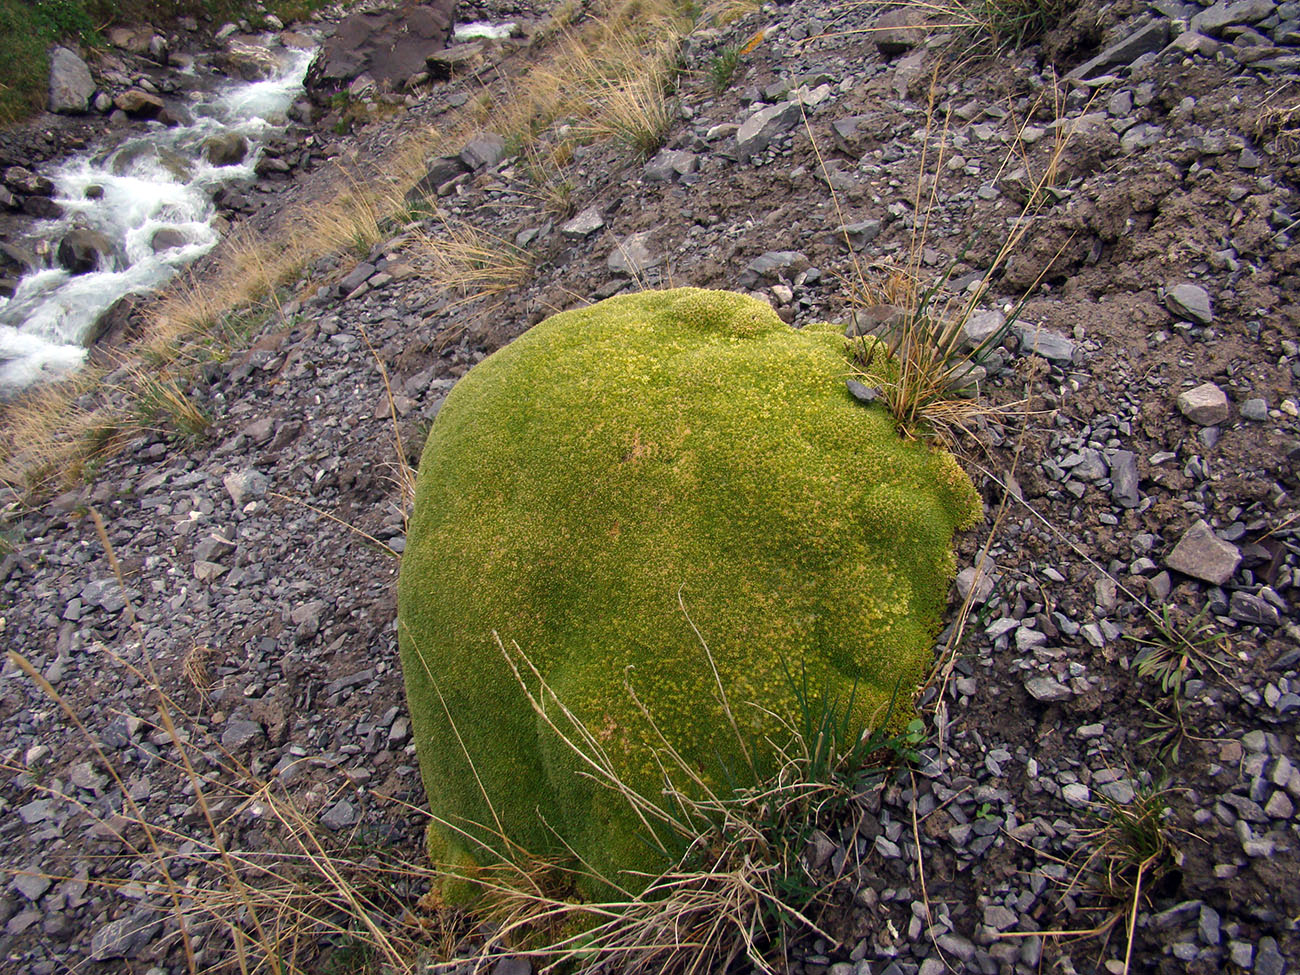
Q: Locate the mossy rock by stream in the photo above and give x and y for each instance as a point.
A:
(663, 445)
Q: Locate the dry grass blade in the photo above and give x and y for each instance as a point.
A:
(473, 262)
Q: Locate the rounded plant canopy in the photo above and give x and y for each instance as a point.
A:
(618, 478)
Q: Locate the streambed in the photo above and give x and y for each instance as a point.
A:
(133, 215)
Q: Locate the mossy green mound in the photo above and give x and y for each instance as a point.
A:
(577, 481)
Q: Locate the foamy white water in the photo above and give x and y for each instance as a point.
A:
(159, 181)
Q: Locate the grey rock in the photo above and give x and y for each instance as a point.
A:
(1280, 806)
(773, 265)
(83, 250)
(104, 593)
(513, 965)
(1268, 959)
(633, 256)
(1190, 302)
(1255, 409)
(1076, 794)
(441, 171)
(668, 164)
(214, 548)
(1124, 478)
(878, 320)
(71, 85)
(1227, 14)
(980, 326)
(27, 183)
(31, 885)
(245, 486)
(1091, 467)
(859, 234)
(1207, 927)
(862, 392)
(342, 815)
(976, 582)
(757, 132)
(1139, 137)
(167, 238)
(225, 149)
(355, 278)
(240, 733)
(484, 150)
(584, 224)
(897, 32)
(1242, 954)
(124, 937)
(1206, 405)
(1047, 689)
(1202, 555)
(1143, 39)
(1050, 345)
(1251, 609)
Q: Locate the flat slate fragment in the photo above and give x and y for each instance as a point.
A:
(1203, 555)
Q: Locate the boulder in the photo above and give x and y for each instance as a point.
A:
(621, 486)
(898, 31)
(391, 44)
(71, 85)
(166, 239)
(83, 250)
(138, 103)
(252, 62)
(23, 181)
(225, 149)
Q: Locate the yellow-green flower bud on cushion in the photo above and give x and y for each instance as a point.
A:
(575, 483)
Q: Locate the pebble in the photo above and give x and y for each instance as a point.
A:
(1190, 302)
(1047, 689)
(1206, 404)
(1203, 555)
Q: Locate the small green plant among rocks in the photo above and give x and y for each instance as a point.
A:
(645, 516)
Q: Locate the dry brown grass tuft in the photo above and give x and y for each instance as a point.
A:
(470, 261)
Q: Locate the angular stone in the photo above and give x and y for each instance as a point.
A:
(980, 326)
(1190, 302)
(240, 733)
(898, 31)
(1047, 689)
(339, 816)
(139, 104)
(758, 131)
(584, 224)
(70, 83)
(633, 256)
(1124, 479)
(976, 581)
(442, 170)
(1143, 40)
(244, 486)
(124, 937)
(852, 134)
(225, 149)
(772, 265)
(668, 164)
(484, 150)
(1202, 555)
(862, 392)
(1050, 345)
(1206, 405)
(1249, 608)
(859, 234)
(1225, 14)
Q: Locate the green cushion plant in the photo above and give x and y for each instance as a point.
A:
(617, 477)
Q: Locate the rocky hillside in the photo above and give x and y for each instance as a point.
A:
(1109, 776)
